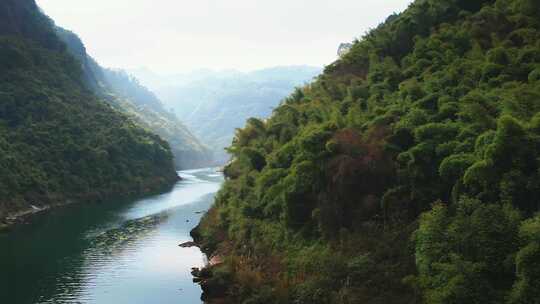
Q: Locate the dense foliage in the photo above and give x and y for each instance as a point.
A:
(58, 141)
(407, 172)
(126, 94)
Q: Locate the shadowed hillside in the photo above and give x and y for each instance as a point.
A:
(126, 94)
(59, 142)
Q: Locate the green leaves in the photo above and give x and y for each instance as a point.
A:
(462, 253)
(58, 141)
(436, 132)
(253, 158)
(453, 167)
(527, 286)
(439, 103)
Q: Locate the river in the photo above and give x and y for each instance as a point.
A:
(118, 252)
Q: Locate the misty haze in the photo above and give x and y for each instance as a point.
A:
(258, 152)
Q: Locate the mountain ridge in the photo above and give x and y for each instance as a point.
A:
(127, 94)
(59, 142)
(215, 103)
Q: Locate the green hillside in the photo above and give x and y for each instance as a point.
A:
(126, 94)
(408, 172)
(59, 142)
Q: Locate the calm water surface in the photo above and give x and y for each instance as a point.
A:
(123, 252)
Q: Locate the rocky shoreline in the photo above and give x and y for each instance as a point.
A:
(214, 290)
(22, 216)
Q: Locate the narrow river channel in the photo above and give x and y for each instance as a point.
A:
(119, 252)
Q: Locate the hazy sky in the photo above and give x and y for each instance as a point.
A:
(181, 35)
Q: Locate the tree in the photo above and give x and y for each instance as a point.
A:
(527, 286)
(462, 252)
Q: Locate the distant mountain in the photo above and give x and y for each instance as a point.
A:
(214, 103)
(125, 93)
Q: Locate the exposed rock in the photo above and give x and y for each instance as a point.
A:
(188, 244)
(215, 260)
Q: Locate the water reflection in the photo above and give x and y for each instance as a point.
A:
(111, 242)
(124, 252)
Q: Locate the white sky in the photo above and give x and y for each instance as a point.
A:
(181, 35)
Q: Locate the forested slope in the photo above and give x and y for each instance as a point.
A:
(59, 142)
(407, 172)
(126, 94)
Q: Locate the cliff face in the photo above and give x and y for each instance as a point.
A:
(91, 71)
(24, 19)
(60, 142)
(12, 15)
(126, 94)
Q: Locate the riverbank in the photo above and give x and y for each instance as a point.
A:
(10, 217)
(121, 251)
(214, 284)
(371, 265)
(21, 216)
